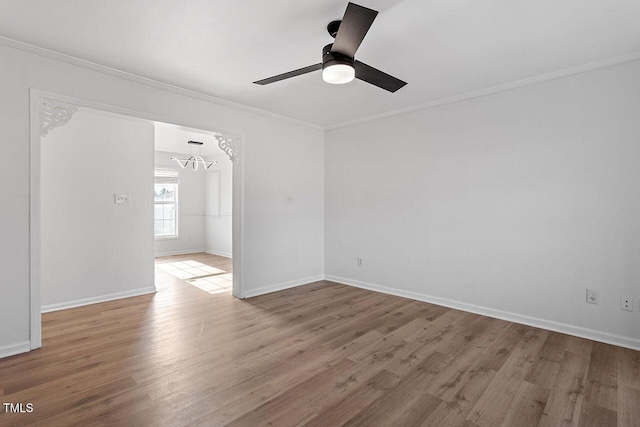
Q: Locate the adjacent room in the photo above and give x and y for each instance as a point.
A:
(382, 213)
(193, 209)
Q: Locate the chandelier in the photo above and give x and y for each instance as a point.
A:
(194, 159)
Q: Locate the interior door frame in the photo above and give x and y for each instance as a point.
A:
(37, 98)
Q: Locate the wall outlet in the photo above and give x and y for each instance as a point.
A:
(360, 262)
(593, 297)
(626, 303)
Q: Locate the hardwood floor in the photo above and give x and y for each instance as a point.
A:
(212, 274)
(319, 355)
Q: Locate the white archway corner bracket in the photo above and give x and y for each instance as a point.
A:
(54, 114)
(230, 145)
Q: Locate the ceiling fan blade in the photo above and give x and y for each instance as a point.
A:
(354, 26)
(376, 77)
(290, 74)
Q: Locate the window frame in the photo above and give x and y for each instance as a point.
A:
(162, 203)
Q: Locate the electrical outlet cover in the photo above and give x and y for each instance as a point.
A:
(626, 303)
(593, 297)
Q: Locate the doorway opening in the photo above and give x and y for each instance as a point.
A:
(193, 210)
(101, 196)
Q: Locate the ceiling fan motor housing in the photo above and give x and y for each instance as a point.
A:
(333, 28)
(333, 58)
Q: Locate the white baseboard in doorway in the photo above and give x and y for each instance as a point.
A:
(13, 349)
(222, 254)
(186, 252)
(102, 298)
(578, 331)
(248, 293)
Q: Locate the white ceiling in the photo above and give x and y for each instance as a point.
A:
(174, 139)
(218, 47)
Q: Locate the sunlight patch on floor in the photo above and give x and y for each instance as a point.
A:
(208, 285)
(205, 277)
(189, 269)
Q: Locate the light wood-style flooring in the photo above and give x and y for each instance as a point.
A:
(323, 354)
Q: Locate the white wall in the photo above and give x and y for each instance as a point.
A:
(510, 203)
(191, 207)
(91, 247)
(283, 243)
(219, 209)
(285, 234)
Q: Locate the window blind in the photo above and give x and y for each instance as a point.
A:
(166, 176)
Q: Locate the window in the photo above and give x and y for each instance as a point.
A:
(165, 205)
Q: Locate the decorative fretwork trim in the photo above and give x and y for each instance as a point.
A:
(54, 115)
(230, 145)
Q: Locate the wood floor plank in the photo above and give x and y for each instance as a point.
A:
(409, 395)
(602, 378)
(628, 368)
(502, 347)
(306, 398)
(322, 354)
(463, 354)
(352, 404)
(423, 342)
(458, 400)
(629, 407)
(549, 361)
(528, 406)
(495, 403)
(597, 416)
(565, 401)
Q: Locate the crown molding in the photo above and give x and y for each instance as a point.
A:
(609, 62)
(62, 57)
(634, 56)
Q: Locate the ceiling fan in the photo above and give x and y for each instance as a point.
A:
(338, 64)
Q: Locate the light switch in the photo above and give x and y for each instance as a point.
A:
(120, 199)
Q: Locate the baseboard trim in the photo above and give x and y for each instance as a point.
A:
(185, 252)
(13, 349)
(95, 300)
(222, 254)
(281, 286)
(551, 325)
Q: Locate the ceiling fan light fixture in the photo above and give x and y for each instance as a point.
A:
(338, 74)
(337, 69)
